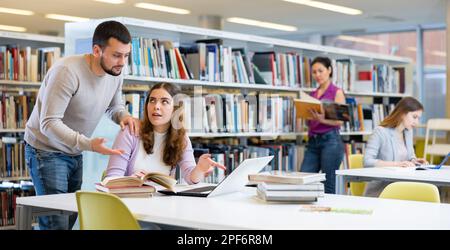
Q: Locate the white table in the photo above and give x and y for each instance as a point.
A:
(440, 177)
(243, 210)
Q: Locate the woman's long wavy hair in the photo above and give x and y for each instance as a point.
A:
(175, 141)
(403, 107)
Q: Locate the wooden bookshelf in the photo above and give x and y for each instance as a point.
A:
(10, 227)
(33, 41)
(22, 84)
(23, 40)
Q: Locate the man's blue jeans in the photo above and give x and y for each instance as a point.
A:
(54, 173)
(324, 152)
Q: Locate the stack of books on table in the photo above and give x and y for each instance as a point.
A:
(125, 187)
(289, 187)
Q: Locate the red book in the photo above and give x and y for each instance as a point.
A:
(15, 56)
(2, 66)
(365, 75)
(273, 66)
(181, 67)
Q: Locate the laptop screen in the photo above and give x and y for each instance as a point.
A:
(443, 161)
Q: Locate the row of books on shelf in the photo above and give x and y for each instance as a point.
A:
(382, 78)
(227, 113)
(15, 110)
(365, 117)
(12, 158)
(26, 63)
(8, 194)
(214, 113)
(388, 79)
(287, 157)
(285, 69)
(235, 113)
(211, 60)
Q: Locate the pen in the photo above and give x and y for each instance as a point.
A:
(308, 208)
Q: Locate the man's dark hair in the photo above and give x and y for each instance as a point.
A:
(108, 29)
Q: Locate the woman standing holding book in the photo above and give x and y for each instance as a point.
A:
(391, 144)
(162, 144)
(325, 149)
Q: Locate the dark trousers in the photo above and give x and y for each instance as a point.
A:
(324, 152)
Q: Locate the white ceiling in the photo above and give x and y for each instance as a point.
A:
(378, 14)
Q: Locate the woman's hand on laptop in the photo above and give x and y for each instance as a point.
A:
(420, 161)
(405, 164)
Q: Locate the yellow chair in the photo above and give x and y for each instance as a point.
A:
(356, 161)
(102, 211)
(414, 191)
(420, 148)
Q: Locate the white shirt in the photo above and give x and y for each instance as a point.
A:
(152, 162)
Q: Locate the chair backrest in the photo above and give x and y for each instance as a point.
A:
(434, 125)
(102, 211)
(414, 191)
(356, 161)
(439, 124)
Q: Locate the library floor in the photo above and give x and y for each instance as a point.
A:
(445, 194)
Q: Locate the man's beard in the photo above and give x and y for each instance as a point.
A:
(108, 71)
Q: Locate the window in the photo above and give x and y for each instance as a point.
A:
(434, 49)
(405, 44)
(398, 44)
(434, 85)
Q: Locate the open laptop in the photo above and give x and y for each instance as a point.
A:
(232, 183)
(425, 167)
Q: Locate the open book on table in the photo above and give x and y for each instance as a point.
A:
(132, 181)
(332, 110)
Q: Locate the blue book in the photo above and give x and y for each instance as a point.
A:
(141, 106)
(8, 159)
(150, 61)
(136, 56)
